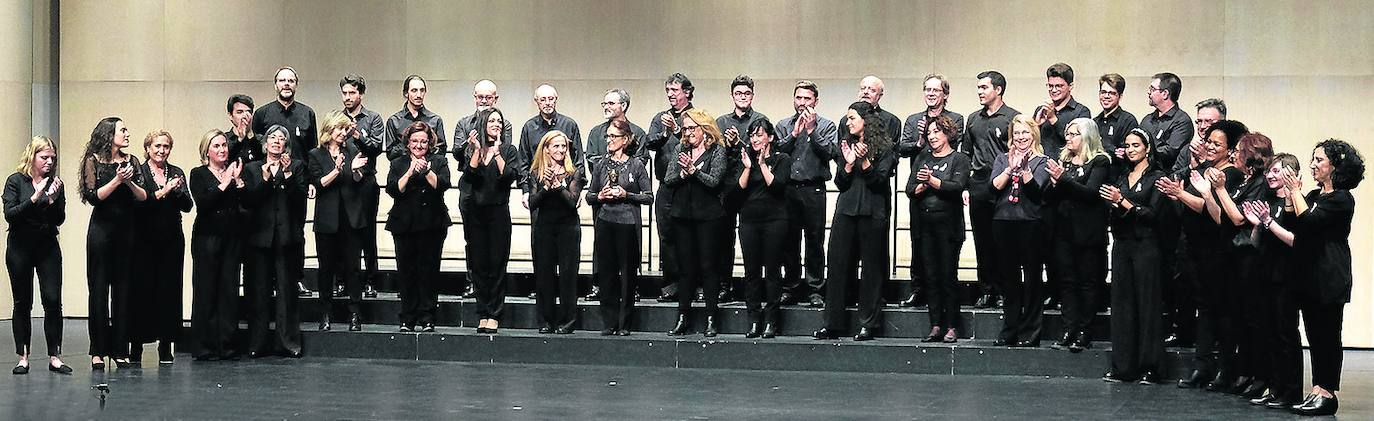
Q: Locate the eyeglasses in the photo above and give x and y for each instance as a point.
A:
(1055, 86)
(1109, 93)
(934, 90)
(485, 97)
(690, 128)
(609, 103)
(1155, 89)
(743, 93)
(616, 135)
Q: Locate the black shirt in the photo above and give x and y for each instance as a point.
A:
(556, 205)
(631, 176)
(272, 205)
(953, 172)
(740, 123)
(913, 140)
(1202, 231)
(1113, 125)
(1321, 237)
(811, 152)
(1172, 131)
(28, 218)
(986, 136)
(371, 131)
(421, 206)
(763, 201)
(244, 150)
(486, 184)
(397, 124)
(892, 123)
(596, 145)
(1075, 198)
(1052, 135)
(1141, 220)
(164, 215)
(299, 120)
(866, 192)
(663, 142)
(536, 127)
(219, 212)
(696, 196)
(469, 124)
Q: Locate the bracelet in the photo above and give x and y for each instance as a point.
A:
(1267, 223)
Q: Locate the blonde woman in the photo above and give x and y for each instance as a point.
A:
(35, 205)
(1020, 177)
(338, 170)
(555, 186)
(695, 178)
(158, 318)
(216, 254)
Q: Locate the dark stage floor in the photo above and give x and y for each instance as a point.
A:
(334, 388)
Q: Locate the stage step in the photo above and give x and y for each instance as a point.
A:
(728, 351)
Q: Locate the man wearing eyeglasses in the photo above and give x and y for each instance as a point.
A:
(613, 107)
(1210, 110)
(911, 144)
(1171, 128)
(1114, 122)
(1058, 110)
(664, 131)
(484, 97)
(734, 125)
(871, 91)
(549, 119)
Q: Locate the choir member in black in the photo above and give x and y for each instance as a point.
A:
(858, 232)
(1275, 307)
(158, 300)
(763, 225)
(418, 221)
(665, 132)
(111, 182)
(620, 185)
(694, 179)
(1321, 233)
(244, 145)
(272, 188)
(216, 248)
(1210, 283)
(1079, 239)
(936, 188)
(1136, 299)
(490, 166)
(339, 172)
(35, 205)
(1020, 178)
(555, 186)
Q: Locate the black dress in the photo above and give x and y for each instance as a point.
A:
(216, 256)
(157, 297)
(109, 238)
(418, 221)
(32, 248)
(274, 233)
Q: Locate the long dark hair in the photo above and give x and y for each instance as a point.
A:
(97, 149)
(1347, 166)
(1149, 144)
(875, 129)
(481, 124)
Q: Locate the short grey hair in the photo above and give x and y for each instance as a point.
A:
(624, 97)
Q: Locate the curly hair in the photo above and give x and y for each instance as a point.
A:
(1347, 166)
(422, 127)
(875, 129)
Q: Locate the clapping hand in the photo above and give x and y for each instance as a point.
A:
(1055, 168)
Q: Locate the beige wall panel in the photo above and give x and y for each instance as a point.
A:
(330, 39)
(1191, 45)
(201, 108)
(120, 40)
(467, 40)
(16, 54)
(589, 39)
(224, 41)
(42, 37)
(1272, 37)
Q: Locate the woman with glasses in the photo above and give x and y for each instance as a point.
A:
(1079, 240)
(272, 187)
(695, 177)
(620, 186)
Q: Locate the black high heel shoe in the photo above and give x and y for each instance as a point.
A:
(754, 331)
(770, 330)
(324, 322)
(354, 323)
(98, 365)
(710, 331)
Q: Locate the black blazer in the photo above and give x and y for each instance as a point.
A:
(164, 216)
(421, 206)
(270, 204)
(344, 192)
(697, 196)
(219, 212)
(28, 218)
(485, 185)
(1080, 213)
(1142, 221)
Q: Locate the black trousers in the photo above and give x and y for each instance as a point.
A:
(617, 249)
(487, 230)
(270, 269)
(1323, 324)
(728, 225)
(919, 277)
(25, 256)
(698, 242)
(667, 242)
(1286, 381)
(1053, 272)
(107, 280)
(942, 236)
(557, 251)
(1136, 326)
(338, 253)
(1082, 271)
(980, 211)
(1253, 316)
(214, 294)
(417, 260)
(856, 240)
(762, 247)
(1022, 279)
(158, 309)
(806, 226)
(367, 236)
(1211, 285)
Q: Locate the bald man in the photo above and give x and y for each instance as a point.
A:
(484, 96)
(871, 91)
(546, 98)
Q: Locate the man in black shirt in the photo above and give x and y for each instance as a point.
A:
(546, 99)
(810, 140)
(1057, 112)
(367, 136)
(243, 144)
(414, 90)
(664, 131)
(935, 90)
(614, 105)
(733, 125)
(484, 97)
(299, 120)
(871, 91)
(1171, 127)
(1114, 122)
(984, 138)
(1172, 131)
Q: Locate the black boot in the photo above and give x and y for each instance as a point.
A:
(324, 322)
(1080, 343)
(754, 331)
(354, 323)
(470, 291)
(710, 331)
(770, 330)
(1195, 380)
(164, 352)
(682, 326)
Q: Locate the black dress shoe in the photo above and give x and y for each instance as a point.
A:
(1221, 383)
(1282, 402)
(293, 354)
(682, 326)
(429, 327)
(545, 329)
(406, 327)
(754, 331)
(607, 332)
(710, 331)
(20, 369)
(1239, 385)
(623, 332)
(63, 369)
(301, 290)
(787, 299)
(1114, 377)
(1063, 342)
(1263, 400)
(354, 323)
(164, 353)
(1003, 342)
(469, 291)
(984, 301)
(1028, 344)
(667, 298)
(1149, 377)
(817, 301)
(865, 334)
(564, 330)
(324, 322)
(1255, 390)
(339, 291)
(1193, 381)
(725, 296)
(911, 300)
(824, 334)
(1317, 406)
(369, 291)
(123, 363)
(770, 330)
(1000, 302)
(595, 294)
(1080, 343)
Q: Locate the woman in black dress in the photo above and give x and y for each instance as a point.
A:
(337, 171)
(111, 182)
(1275, 308)
(938, 180)
(1019, 182)
(1080, 233)
(695, 177)
(216, 248)
(1136, 299)
(158, 312)
(35, 205)
(418, 221)
(556, 185)
(272, 187)
(1321, 231)
(620, 186)
(490, 165)
(859, 230)
(763, 225)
